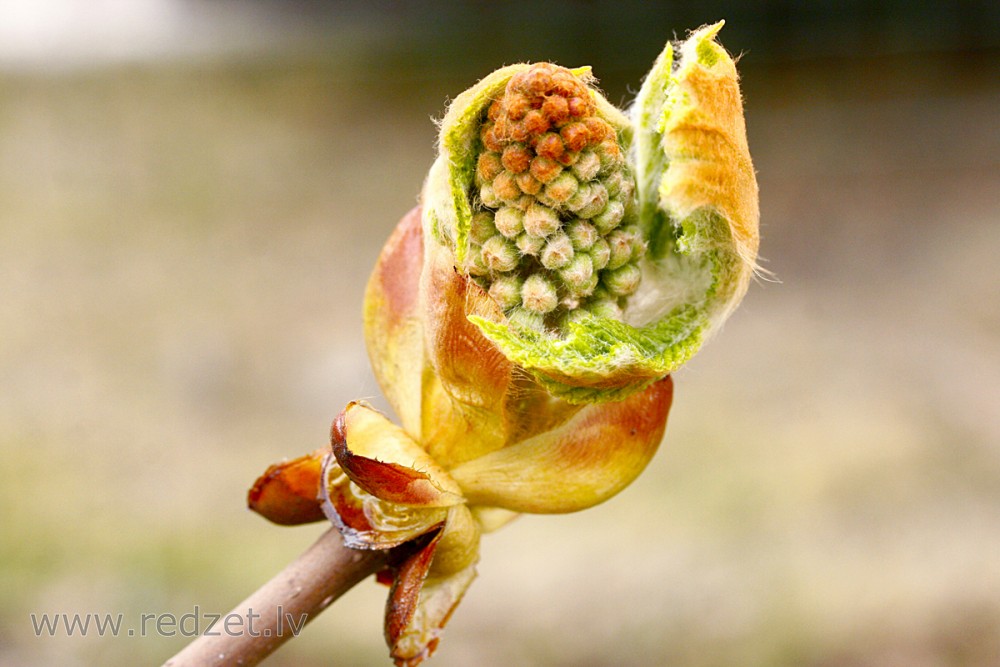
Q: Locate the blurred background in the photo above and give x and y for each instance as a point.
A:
(192, 193)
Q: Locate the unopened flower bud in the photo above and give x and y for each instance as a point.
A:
(618, 184)
(548, 391)
(610, 154)
(516, 158)
(475, 264)
(529, 184)
(550, 146)
(579, 275)
(488, 167)
(605, 308)
(600, 254)
(509, 221)
(558, 252)
(487, 197)
(610, 217)
(505, 187)
(575, 136)
(597, 199)
(582, 234)
(499, 254)
(622, 281)
(522, 318)
(506, 291)
(530, 245)
(545, 169)
(620, 243)
(587, 166)
(538, 294)
(562, 188)
(482, 227)
(540, 220)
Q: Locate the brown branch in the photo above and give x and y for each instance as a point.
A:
(277, 610)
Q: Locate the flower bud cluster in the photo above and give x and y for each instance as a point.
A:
(552, 236)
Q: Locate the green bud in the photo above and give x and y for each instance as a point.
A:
(522, 318)
(562, 187)
(579, 275)
(620, 243)
(597, 201)
(581, 198)
(499, 254)
(538, 294)
(475, 264)
(558, 252)
(587, 166)
(582, 234)
(540, 220)
(506, 291)
(610, 217)
(529, 245)
(482, 227)
(488, 198)
(605, 308)
(509, 221)
(600, 253)
(622, 281)
(619, 184)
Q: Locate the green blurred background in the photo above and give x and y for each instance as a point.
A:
(193, 192)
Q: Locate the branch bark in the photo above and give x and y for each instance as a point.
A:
(277, 611)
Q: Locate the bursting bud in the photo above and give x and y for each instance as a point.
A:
(667, 191)
(523, 321)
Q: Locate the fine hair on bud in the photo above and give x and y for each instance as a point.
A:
(509, 221)
(558, 251)
(538, 294)
(551, 193)
(499, 254)
(540, 220)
